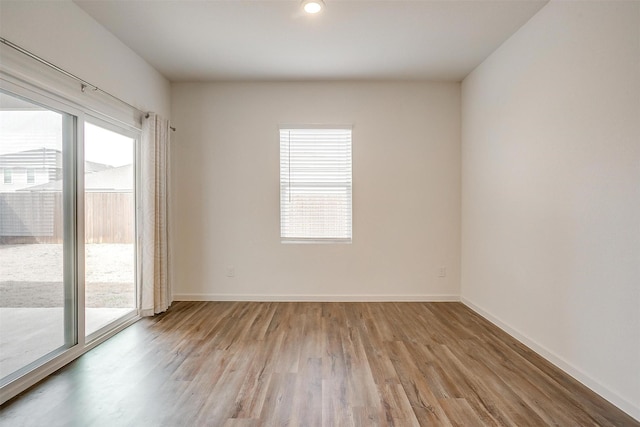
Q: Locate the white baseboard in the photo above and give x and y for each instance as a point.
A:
(316, 298)
(559, 362)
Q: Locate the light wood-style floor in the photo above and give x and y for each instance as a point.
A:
(311, 364)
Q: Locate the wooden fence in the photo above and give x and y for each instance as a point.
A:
(37, 218)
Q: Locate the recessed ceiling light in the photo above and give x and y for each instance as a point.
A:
(312, 6)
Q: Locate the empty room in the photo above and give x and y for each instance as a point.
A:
(320, 213)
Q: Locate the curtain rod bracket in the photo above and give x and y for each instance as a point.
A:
(146, 116)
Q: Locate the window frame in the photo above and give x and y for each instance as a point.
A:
(8, 176)
(348, 185)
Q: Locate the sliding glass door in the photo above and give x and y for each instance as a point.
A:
(67, 230)
(37, 240)
(109, 225)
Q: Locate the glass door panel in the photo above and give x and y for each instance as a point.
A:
(109, 224)
(37, 290)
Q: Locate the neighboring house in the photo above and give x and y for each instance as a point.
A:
(28, 168)
(111, 180)
(24, 169)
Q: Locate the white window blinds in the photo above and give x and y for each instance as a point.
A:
(315, 184)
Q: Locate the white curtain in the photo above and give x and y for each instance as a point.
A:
(155, 286)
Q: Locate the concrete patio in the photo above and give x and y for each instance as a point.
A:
(32, 297)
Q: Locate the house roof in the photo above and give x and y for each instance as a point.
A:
(118, 179)
(42, 158)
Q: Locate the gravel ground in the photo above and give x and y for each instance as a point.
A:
(31, 275)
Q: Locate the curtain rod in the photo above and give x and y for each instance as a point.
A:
(83, 83)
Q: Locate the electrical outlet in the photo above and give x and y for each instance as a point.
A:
(231, 271)
(442, 272)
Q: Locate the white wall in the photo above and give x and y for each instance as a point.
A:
(406, 191)
(551, 191)
(62, 33)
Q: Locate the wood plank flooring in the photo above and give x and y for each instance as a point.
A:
(311, 364)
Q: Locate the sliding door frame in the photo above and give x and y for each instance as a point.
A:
(76, 343)
(71, 259)
(134, 134)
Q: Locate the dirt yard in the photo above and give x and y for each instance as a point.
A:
(31, 275)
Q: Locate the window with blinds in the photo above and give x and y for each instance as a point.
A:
(315, 185)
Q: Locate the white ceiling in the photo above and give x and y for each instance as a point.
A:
(350, 39)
